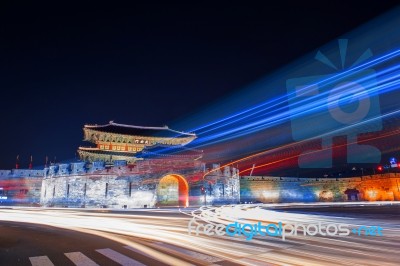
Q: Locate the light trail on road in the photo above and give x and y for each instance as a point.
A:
(163, 235)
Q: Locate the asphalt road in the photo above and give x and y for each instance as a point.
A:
(160, 237)
(21, 241)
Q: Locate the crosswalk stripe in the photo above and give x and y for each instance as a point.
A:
(119, 258)
(80, 259)
(41, 261)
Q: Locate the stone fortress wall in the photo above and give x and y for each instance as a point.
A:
(81, 184)
(266, 189)
(20, 187)
(94, 185)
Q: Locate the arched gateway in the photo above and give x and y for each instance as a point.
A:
(173, 190)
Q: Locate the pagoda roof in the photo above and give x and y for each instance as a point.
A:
(164, 131)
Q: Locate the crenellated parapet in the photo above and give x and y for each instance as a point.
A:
(21, 173)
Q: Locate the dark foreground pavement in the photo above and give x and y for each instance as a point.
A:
(20, 241)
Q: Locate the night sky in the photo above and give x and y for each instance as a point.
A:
(64, 66)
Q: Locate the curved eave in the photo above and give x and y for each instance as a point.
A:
(173, 156)
(165, 128)
(97, 150)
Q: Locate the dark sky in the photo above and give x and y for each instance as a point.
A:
(63, 66)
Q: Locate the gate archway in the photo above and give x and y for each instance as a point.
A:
(173, 190)
(352, 194)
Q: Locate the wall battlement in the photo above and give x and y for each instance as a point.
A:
(21, 173)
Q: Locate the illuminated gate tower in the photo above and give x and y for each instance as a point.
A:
(135, 166)
(123, 142)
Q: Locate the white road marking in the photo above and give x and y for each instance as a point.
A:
(80, 259)
(41, 261)
(119, 258)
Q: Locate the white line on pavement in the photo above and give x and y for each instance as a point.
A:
(41, 261)
(119, 258)
(80, 259)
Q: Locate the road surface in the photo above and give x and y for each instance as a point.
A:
(39, 236)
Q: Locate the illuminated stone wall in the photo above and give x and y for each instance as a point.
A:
(267, 189)
(20, 187)
(92, 185)
(222, 186)
(138, 186)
